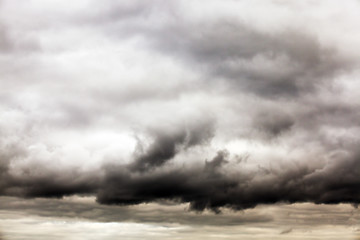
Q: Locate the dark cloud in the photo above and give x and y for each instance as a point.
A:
(336, 183)
(207, 186)
(281, 64)
(217, 161)
(284, 63)
(51, 185)
(199, 186)
(167, 144)
(7, 154)
(331, 112)
(277, 83)
(37, 180)
(273, 123)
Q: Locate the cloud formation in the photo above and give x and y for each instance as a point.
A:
(285, 64)
(148, 102)
(167, 144)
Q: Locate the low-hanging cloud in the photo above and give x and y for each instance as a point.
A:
(144, 102)
(210, 188)
(206, 186)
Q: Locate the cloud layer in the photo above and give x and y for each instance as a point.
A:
(209, 105)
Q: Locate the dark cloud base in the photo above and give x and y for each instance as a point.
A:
(204, 187)
(151, 177)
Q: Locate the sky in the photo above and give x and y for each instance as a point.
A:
(217, 119)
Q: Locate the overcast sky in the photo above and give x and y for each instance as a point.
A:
(194, 119)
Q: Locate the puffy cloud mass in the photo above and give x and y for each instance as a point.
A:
(224, 104)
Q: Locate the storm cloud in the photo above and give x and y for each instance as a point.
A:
(205, 104)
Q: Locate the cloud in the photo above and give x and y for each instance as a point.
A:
(273, 124)
(86, 208)
(167, 144)
(279, 64)
(4, 41)
(206, 186)
(128, 102)
(286, 231)
(210, 188)
(12, 43)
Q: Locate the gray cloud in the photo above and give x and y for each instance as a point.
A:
(4, 41)
(209, 187)
(335, 183)
(273, 124)
(50, 184)
(281, 64)
(167, 144)
(154, 68)
(22, 44)
(153, 213)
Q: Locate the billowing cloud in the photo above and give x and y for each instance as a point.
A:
(139, 102)
(268, 64)
(167, 144)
